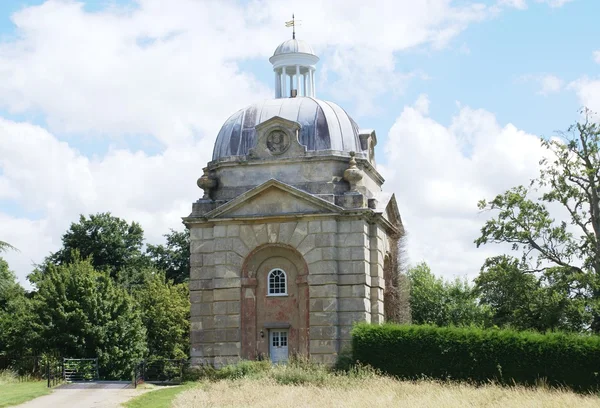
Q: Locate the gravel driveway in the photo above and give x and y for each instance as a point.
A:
(107, 394)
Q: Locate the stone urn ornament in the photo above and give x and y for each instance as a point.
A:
(207, 182)
(353, 174)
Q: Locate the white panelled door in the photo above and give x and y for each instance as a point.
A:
(278, 346)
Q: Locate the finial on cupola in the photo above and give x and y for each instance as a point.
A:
(293, 23)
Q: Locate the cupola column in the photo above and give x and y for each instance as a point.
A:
(313, 90)
(298, 79)
(282, 85)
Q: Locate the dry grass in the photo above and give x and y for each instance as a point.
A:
(372, 392)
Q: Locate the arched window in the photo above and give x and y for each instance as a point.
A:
(277, 283)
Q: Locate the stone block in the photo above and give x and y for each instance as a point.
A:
(201, 309)
(208, 259)
(322, 279)
(345, 291)
(219, 362)
(202, 247)
(323, 268)
(195, 233)
(354, 305)
(220, 308)
(227, 335)
(226, 321)
(207, 233)
(314, 255)
(199, 296)
(220, 231)
(323, 304)
(233, 307)
(307, 244)
(248, 236)
(344, 254)
(314, 227)
(202, 336)
(344, 279)
(323, 346)
(260, 233)
(227, 294)
(233, 230)
(325, 240)
(226, 272)
(227, 349)
(239, 247)
(323, 291)
(200, 284)
(361, 254)
(234, 259)
(220, 258)
(360, 226)
(299, 234)
(196, 260)
(286, 230)
(273, 232)
(221, 283)
(345, 332)
(323, 319)
(329, 226)
(329, 254)
(344, 226)
(223, 244)
(202, 323)
(195, 272)
(349, 318)
(354, 268)
(324, 333)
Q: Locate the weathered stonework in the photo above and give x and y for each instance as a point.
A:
(315, 211)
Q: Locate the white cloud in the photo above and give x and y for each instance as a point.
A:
(554, 3)
(588, 92)
(56, 181)
(441, 174)
(170, 69)
(548, 83)
(522, 4)
(597, 56)
(518, 4)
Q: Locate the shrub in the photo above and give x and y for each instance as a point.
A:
(481, 355)
(242, 369)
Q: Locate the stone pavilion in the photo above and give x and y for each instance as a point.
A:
(293, 239)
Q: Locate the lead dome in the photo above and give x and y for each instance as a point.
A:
(324, 126)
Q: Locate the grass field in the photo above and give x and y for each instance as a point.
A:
(251, 385)
(13, 392)
(159, 398)
(374, 392)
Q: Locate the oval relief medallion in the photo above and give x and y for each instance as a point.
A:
(278, 142)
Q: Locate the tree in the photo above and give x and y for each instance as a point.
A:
(566, 251)
(5, 246)
(435, 301)
(165, 312)
(16, 314)
(80, 312)
(109, 242)
(174, 258)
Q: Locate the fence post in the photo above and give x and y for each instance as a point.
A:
(48, 372)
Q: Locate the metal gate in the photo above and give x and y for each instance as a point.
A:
(80, 369)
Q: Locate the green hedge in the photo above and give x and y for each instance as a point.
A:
(480, 355)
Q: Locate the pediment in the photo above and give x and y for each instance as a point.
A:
(392, 213)
(271, 199)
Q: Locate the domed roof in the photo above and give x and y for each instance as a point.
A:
(293, 46)
(324, 126)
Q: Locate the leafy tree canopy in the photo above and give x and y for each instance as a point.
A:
(565, 253)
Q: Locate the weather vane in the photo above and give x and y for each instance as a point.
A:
(293, 23)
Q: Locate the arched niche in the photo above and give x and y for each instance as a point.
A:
(262, 313)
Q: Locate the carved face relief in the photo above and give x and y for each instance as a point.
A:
(278, 142)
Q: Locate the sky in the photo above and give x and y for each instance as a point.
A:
(115, 105)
